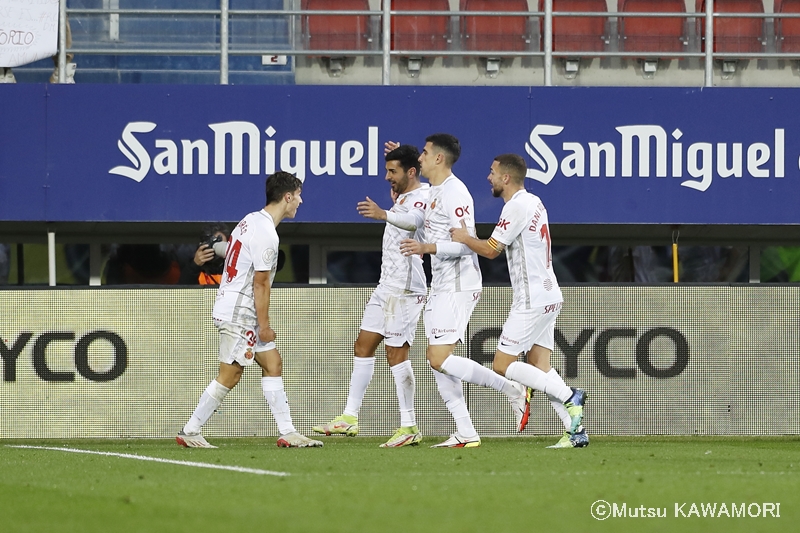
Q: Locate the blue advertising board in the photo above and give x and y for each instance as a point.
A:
(201, 153)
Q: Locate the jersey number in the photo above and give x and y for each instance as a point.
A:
(231, 259)
(545, 233)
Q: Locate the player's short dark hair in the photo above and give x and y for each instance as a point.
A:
(513, 165)
(407, 155)
(279, 184)
(447, 144)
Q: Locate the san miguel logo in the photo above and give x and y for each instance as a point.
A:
(239, 140)
(700, 162)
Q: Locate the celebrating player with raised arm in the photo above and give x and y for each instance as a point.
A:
(455, 290)
(523, 232)
(392, 312)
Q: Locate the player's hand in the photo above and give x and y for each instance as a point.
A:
(460, 234)
(394, 195)
(411, 247)
(266, 334)
(370, 209)
(203, 255)
(388, 146)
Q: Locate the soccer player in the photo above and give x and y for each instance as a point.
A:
(241, 314)
(523, 232)
(392, 312)
(455, 290)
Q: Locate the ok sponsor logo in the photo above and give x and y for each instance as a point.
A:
(81, 349)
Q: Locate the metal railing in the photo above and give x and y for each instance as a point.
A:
(224, 51)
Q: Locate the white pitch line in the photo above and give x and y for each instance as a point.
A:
(159, 460)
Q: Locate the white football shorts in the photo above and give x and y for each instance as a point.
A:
(525, 328)
(239, 344)
(393, 313)
(447, 315)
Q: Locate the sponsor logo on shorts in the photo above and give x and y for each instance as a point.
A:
(552, 308)
(510, 342)
(439, 333)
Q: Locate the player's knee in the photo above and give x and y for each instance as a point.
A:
(360, 349)
(499, 366)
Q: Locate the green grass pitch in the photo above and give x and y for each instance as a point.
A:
(352, 485)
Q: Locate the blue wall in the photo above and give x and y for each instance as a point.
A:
(79, 153)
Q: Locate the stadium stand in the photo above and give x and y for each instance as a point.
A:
(420, 32)
(652, 34)
(337, 32)
(496, 33)
(735, 34)
(787, 30)
(579, 34)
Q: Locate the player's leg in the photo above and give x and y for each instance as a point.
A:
(190, 436)
(364, 349)
(444, 327)
(405, 384)
(541, 341)
(269, 359)
(401, 327)
(235, 352)
(460, 306)
(369, 338)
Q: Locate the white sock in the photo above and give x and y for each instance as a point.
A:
(561, 411)
(209, 401)
(474, 372)
(405, 384)
(278, 403)
(363, 367)
(532, 377)
(453, 396)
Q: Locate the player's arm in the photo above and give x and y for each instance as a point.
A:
(261, 295)
(489, 248)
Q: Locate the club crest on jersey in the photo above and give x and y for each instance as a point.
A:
(402, 200)
(433, 204)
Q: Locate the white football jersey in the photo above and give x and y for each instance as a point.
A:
(253, 246)
(524, 230)
(450, 203)
(397, 270)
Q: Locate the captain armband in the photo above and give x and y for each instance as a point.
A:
(495, 244)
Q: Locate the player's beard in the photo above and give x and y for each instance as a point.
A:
(496, 192)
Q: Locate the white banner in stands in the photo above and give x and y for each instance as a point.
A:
(28, 31)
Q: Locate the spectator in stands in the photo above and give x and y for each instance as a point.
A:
(7, 76)
(141, 264)
(205, 268)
